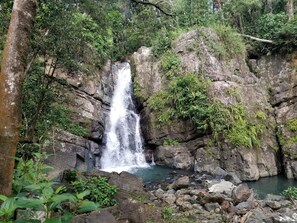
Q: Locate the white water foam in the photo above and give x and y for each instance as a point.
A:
(124, 149)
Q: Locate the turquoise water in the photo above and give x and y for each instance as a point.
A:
(268, 185)
(271, 185)
(157, 173)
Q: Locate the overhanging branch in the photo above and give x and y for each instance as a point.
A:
(258, 39)
(154, 5)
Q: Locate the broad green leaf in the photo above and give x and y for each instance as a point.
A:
(3, 197)
(81, 195)
(47, 192)
(35, 204)
(67, 217)
(60, 189)
(58, 199)
(53, 220)
(87, 206)
(8, 207)
(39, 186)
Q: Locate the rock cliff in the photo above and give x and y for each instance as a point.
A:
(88, 97)
(265, 87)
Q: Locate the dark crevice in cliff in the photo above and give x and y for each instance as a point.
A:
(279, 154)
(289, 100)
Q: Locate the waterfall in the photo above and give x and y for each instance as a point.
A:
(124, 149)
(153, 161)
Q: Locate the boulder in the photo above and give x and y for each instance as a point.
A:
(129, 185)
(233, 178)
(274, 205)
(244, 207)
(159, 193)
(219, 172)
(256, 216)
(241, 193)
(181, 182)
(211, 207)
(222, 187)
(290, 216)
(176, 156)
(169, 198)
(102, 216)
(133, 211)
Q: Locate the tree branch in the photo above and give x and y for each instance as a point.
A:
(154, 5)
(258, 39)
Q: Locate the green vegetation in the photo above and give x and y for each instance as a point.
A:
(170, 64)
(291, 124)
(290, 192)
(167, 213)
(33, 191)
(43, 108)
(30, 172)
(187, 98)
(100, 191)
(244, 129)
(139, 92)
(170, 142)
(170, 215)
(290, 139)
(230, 44)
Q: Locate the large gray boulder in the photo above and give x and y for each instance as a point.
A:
(241, 193)
(102, 216)
(176, 156)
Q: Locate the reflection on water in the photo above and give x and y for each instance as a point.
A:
(271, 185)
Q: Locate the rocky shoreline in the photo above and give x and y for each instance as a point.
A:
(194, 198)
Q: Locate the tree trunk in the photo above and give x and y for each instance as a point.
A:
(290, 9)
(12, 71)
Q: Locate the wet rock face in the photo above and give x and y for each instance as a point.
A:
(88, 99)
(278, 75)
(266, 86)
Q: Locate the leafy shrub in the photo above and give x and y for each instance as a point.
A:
(70, 175)
(35, 192)
(290, 192)
(167, 213)
(243, 132)
(170, 142)
(42, 197)
(291, 124)
(100, 191)
(43, 109)
(170, 64)
(291, 139)
(60, 117)
(286, 38)
(29, 172)
(161, 43)
(230, 43)
(187, 98)
(269, 24)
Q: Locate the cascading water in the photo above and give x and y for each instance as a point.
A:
(124, 149)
